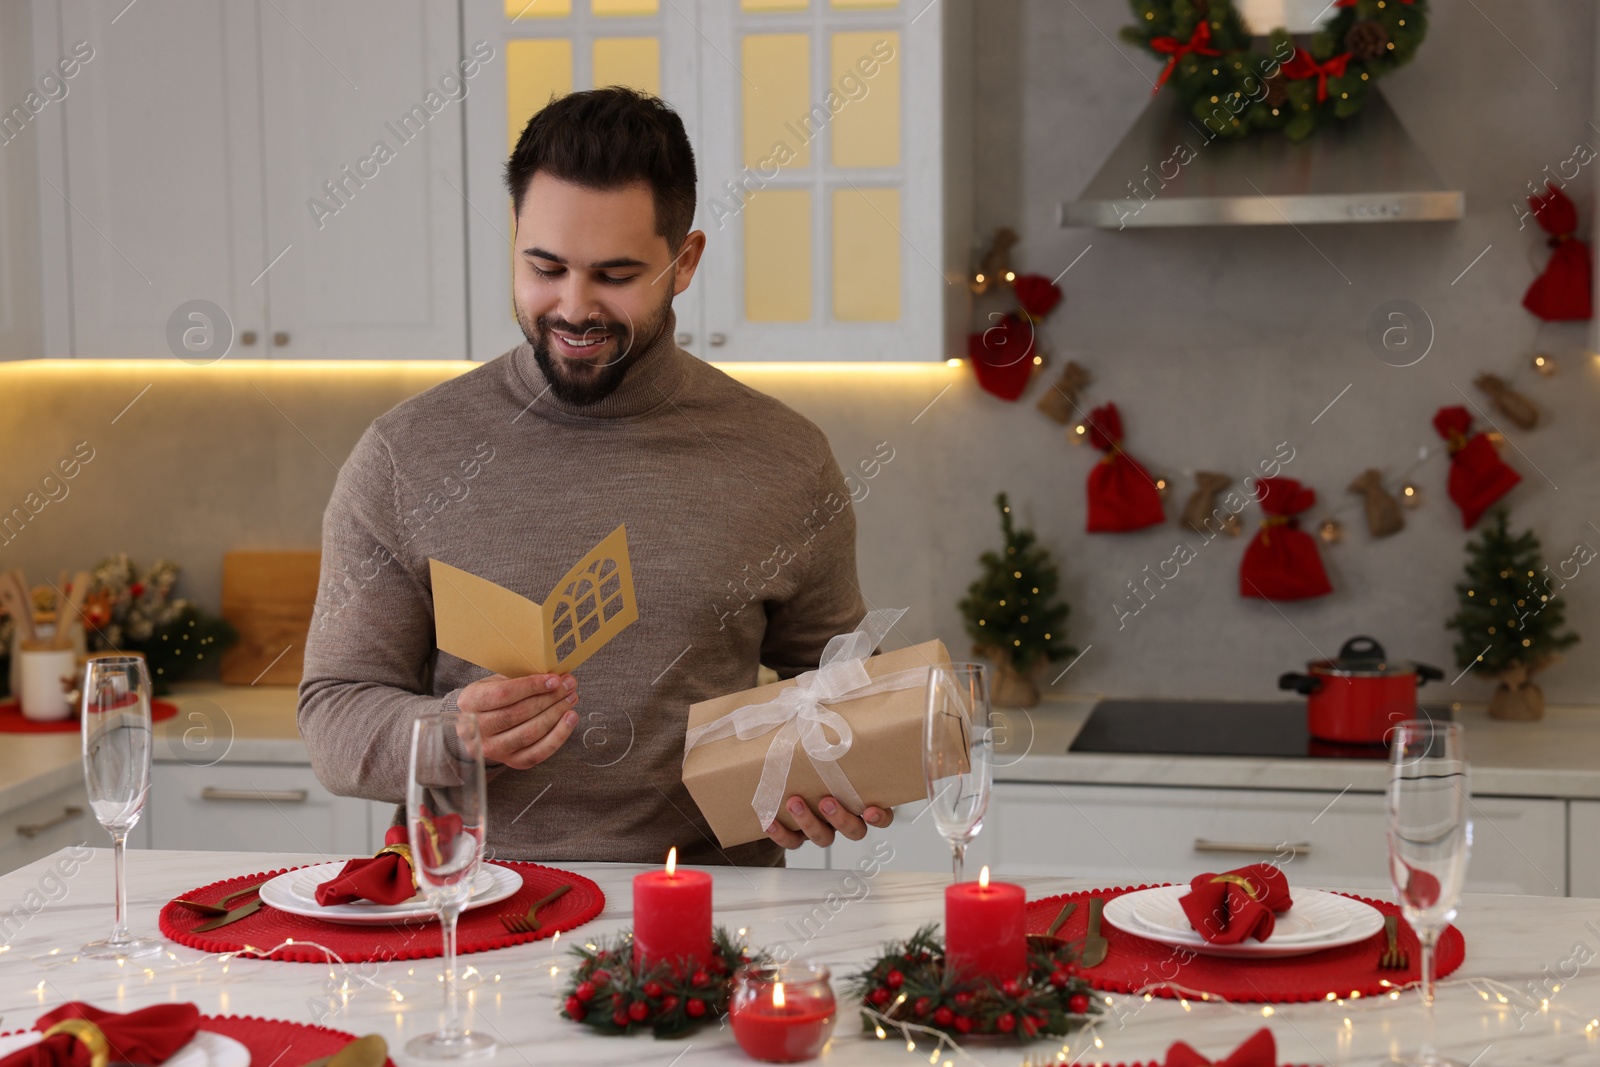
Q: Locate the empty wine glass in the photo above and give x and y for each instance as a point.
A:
(958, 753)
(116, 771)
(446, 820)
(1430, 837)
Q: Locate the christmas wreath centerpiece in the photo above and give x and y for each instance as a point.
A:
(611, 992)
(1235, 89)
(908, 988)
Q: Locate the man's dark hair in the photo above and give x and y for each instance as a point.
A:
(608, 138)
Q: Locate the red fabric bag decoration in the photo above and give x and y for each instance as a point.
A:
(1225, 909)
(1002, 356)
(147, 1036)
(1282, 561)
(383, 879)
(1037, 294)
(1260, 1049)
(1562, 293)
(1478, 476)
(1122, 495)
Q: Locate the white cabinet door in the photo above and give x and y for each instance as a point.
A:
(362, 105)
(916, 845)
(1583, 837)
(162, 171)
(255, 806)
(42, 826)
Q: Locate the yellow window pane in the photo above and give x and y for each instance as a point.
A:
(866, 79)
(627, 7)
(538, 9)
(772, 5)
(866, 255)
(777, 255)
(778, 127)
(536, 70)
(630, 61)
(854, 4)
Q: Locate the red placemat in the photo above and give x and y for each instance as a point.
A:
(269, 1040)
(478, 930)
(1134, 962)
(13, 722)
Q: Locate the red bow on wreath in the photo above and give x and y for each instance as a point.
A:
(1303, 66)
(1282, 561)
(1122, 495)
(1561, 293)
(1478, 476)
(1002, 356)
(1199, 43)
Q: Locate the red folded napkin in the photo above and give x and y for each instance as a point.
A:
(147, 1036)
(382, 879)
(1259, 1050)
(1227, 908)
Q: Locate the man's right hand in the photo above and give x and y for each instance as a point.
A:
(522, 720)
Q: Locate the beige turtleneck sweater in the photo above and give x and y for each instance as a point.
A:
(742, 542)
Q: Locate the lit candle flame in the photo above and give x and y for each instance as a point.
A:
(777, 994)
(672, 860)
(983, 877)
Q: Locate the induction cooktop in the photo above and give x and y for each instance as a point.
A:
(1271, 729)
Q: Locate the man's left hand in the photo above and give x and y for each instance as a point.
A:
(830, 819)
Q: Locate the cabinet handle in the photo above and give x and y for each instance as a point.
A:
(718, 339)
(1302, 848)
(280, 338)
(286, 796)
(34, 829)
(248, 337)
(684, 339)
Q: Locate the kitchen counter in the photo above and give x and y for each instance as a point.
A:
(1515, 940)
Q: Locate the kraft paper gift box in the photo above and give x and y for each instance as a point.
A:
(883, 759)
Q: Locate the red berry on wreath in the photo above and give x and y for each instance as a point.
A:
(922, 1005)
(879, 996)
(699, 978)
(1071, 969)
(620, 1018)
(584, 991)
(652, 989)
(963, 999)
(963, 1024)
(1078, 1004)
(1011, 988)
(669, 1002)
(894, 980)
(1058, 979)
(1030, 1025)
(1040, 1022)
(575, 1009)
(695, 1008)
(600, 977)
(638, 1011)
(1006, 1023)
(943, 1015)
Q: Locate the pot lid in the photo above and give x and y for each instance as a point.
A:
(1363, 657)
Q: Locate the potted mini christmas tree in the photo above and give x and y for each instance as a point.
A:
(1012, 615)
(1510, 618)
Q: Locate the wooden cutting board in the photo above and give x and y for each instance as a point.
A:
(268, 596)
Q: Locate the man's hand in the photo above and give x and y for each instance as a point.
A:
(522, 720)
(833, 820)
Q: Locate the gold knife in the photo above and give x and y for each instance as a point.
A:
(368, 1051)
(232, 917)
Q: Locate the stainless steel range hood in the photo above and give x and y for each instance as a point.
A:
(1166, 172)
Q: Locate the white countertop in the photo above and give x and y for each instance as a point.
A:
(1514, 940)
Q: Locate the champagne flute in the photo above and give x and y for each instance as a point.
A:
(958, 753)
(446, 813)
(116, 771)
(1430, 838)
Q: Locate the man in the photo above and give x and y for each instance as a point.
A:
(739, 524)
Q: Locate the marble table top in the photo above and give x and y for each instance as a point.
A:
(1547, 943)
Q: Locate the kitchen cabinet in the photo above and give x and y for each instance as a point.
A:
(1583, 848)
(229, 153)
(832, 148)
(260, 807)
(36, 829)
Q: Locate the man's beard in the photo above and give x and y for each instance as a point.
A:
(596, 380)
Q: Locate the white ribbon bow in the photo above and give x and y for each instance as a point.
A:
(797, 713)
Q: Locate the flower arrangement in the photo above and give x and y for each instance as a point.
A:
(131, 610)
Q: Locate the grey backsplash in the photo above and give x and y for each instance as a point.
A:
(1216, 344)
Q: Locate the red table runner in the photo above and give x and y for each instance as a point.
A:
(13, 722)
(1134, 962)
(477, 931)
(269, 1040)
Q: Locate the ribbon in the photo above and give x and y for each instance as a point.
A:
(800, 719)
(1199, 43)
(1268, 523)
(1303, 66)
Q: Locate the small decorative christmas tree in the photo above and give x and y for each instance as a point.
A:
(1510, 618)
(1012, 616)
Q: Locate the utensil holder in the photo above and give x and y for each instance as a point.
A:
(46, 677)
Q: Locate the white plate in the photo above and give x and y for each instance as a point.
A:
(1315, 916)
(1363, 920)
(296, 893)
(206, 1050)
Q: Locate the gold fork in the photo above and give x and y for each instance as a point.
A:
(525, 923)
(1394, 958)
(219, 908)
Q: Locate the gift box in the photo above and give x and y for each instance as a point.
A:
(852, 729)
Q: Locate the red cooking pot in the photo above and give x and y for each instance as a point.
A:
(1356, 698)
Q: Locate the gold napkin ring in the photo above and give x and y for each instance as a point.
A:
(87, 1033)
(404, 852)
(1242, 882)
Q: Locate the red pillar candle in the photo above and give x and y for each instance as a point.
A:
(672, 915)
(782, 1013)
(985, 933)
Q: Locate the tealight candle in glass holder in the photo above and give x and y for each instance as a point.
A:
(782, 1013)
